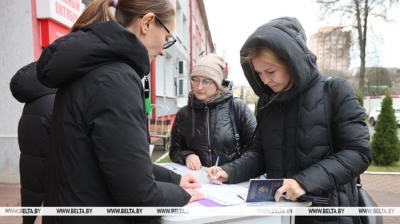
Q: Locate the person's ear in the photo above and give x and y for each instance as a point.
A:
(146, 22)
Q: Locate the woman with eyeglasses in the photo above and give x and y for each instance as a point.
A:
(311, 131)
(99, 141)
(203, 130)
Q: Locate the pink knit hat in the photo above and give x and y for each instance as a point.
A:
(210, 66)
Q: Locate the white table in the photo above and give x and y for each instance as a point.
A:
(202, 176)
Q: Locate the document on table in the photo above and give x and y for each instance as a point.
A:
(223, 194)
(173, 166)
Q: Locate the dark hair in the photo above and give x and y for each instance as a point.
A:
(125, 13)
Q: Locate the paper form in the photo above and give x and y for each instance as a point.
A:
(223, 194)
(173, 166)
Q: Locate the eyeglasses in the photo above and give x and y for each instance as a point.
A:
(205, 82)
(171, 40)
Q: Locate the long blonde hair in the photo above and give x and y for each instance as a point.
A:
(125, 13)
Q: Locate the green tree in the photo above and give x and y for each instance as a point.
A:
(385, 143)
(379, 76)
(378, 81)
(360, 98)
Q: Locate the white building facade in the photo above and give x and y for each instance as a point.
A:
(172, 71)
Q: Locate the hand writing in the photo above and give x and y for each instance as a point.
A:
(220, 175)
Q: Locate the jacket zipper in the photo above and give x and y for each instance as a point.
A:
(283, 141)
(208, 133)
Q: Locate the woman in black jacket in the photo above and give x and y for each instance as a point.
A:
(292, 140)
(99, 139)
(33, 134)
(203, 129)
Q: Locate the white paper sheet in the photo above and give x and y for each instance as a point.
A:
(224, 194)
(174, 166)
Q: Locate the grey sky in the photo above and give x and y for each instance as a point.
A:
(231, 22)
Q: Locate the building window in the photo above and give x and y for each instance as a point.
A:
(181, 88)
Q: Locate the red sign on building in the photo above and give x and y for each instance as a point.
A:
(51, 31)
(56, 16)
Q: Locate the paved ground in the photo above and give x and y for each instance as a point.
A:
(158, 151)
(385, 189)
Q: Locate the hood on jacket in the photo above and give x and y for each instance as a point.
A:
(74, 55)
(286, 37)
(25, 86)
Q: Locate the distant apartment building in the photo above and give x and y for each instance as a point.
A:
(331, 45)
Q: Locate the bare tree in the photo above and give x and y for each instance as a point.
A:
(378, 81)
(358, 14)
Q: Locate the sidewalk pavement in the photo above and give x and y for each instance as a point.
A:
(383, 188)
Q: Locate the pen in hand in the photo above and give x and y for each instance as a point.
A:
(215, 170)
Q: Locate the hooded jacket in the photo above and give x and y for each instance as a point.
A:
(99, 138)
(292, 140)
(33, 134)
(206, 130)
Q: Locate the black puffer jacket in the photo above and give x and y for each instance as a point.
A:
(99, 138)
(33, 134)
(293, 139)
(206, 130)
